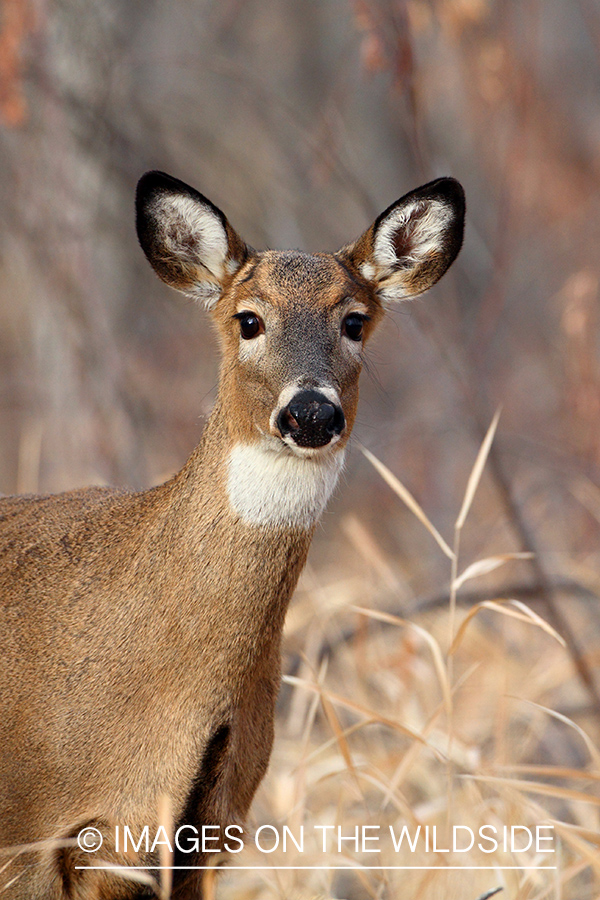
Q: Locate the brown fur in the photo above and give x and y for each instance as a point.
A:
(141, 631)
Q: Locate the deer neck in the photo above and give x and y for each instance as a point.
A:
(256, 484)
(240, 518)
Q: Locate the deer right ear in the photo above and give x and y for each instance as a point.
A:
(187, 240)
(410, 245)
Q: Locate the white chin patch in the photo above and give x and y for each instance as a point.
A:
(273, 487)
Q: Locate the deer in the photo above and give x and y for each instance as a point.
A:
(141, 631)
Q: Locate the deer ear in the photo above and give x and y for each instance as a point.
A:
(410, 245)
(186, 238)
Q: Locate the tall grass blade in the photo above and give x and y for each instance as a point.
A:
(592, 749)
(436, 653)
(522, 613)
(408, 499)
(487, 565)
(475, 476)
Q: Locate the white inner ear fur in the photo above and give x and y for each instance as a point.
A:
(208, 251)
(424, 224)
(271, 487)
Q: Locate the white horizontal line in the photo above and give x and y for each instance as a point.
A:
(315, 868)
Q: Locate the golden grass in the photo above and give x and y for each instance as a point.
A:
(455, 718)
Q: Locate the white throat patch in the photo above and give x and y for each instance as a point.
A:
(269, 486)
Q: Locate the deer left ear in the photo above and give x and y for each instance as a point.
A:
(413, 242)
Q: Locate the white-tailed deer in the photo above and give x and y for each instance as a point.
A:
(141, 632)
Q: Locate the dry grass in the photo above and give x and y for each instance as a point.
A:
(456, 717)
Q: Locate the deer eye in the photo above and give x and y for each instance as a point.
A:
(352, 326)
(251, 325)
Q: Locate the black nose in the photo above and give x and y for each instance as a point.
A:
(311, 420)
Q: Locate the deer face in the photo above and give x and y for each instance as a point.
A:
(292, 325)
(293, 328)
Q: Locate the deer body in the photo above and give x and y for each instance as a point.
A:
(141, 632)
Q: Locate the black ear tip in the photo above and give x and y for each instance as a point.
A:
(152, 183)
(450, 190)
(447, 190)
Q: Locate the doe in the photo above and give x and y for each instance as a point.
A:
(141, 632)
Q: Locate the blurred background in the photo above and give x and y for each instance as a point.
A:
(303, 120)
